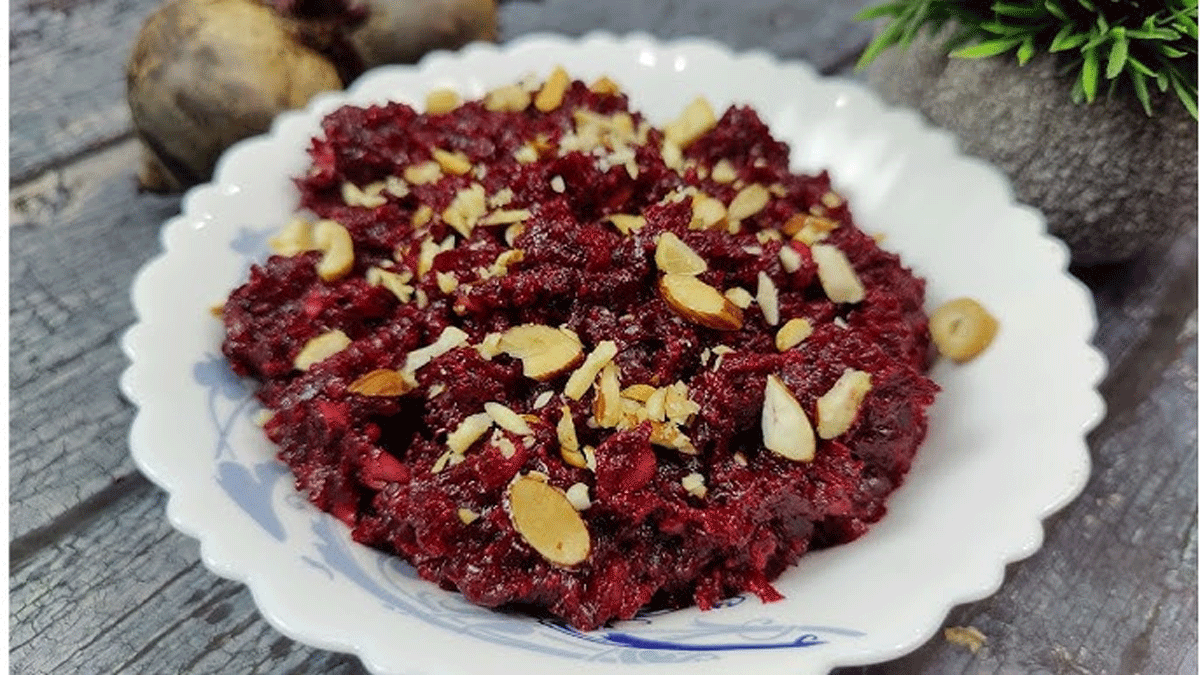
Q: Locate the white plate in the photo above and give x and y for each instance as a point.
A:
(998, 459)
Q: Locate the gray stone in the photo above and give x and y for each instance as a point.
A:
(1110, 180)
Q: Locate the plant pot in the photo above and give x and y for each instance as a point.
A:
(1111, 180)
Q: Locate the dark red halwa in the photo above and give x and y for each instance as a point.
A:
(522, 210)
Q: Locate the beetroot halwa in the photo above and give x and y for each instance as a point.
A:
(560, 359)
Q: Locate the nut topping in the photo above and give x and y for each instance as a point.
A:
(329, 236)
(699, 303)
(320, 348)
(547, 520)
(545, 351)
(785, 428)
(792, 333)
(551, 95)
(675, 257)
(581, 380)
(838, 408)
(381, 382)
(836, 275)
(961, 329)
(695, 121)
(768, 299)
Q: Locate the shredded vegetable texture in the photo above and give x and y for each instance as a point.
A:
(1108, 47)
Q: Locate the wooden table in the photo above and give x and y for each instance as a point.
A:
(99, 582)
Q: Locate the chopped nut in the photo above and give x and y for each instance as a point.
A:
(789, 259)
(605, 87)
(792, 333)
(656, 405)
(545, 352)
(557, 184)
(369, 197)
(295, 237)
(567, 439)
(526, 154)
(836, 275)
(966, 636)
(548, 521)
(465, 210)
(707, 212)
(961, 329)
(551, 94)
(740, 297)
(698, 302)
(693, 484)
(505, 446)
(467, 516)
(748, 201)
(667, 435)
(425, 172)
(338, 259)
(696, 120)
(422, 215)
(502, 197)
(832, 200)
(679, 408)
(446, 282)
(320, 348)
(506, 419)
(768, 299)
(627, 223)
(512, 232)
(838, 408)
(512, 256)
(638, 392)
(675, 257)
(510, 98)
(581, 380)
(808, 228)
(723, 171)
(506, 217)
(441, 101)
(785, 428)
(608, 397)
(381, 382)
(672, 155)
(451, 338)
(455, 163)
(467, 432)
(577, 494)
(393, 281)
(395, 186)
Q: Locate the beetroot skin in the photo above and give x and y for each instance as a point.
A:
(380, 463)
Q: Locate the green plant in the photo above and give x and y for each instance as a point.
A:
(1105, 45)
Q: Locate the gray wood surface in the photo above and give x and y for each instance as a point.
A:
(99, 582)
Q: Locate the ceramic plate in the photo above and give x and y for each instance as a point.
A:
(997, 461)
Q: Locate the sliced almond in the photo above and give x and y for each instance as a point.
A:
(723, 171)
(506, 217)
(668, 435)
(545, 351)
(577, 494)
(768, 299)
(550, 97)
(447, 283)
(422, 173)
(638, 392)
(295, 237)
(608, 397)
(455, 162)
(465, 210)
(450, 338)
(789, 259)
(441, 101)
(698, 302)
(837, 276)
(961, 329)
(627, 223)
(547, 521)
(583, 377)
(696, 120)
(381, 382)
(507, 419)
(707, 212)
(739, 296)
(838, 408)
(792, 333)
(656, 405)
(510, 98)
(808, 228)
(675, 257)
(678, 407)
(471, 429)
(605, 87)
(334, 239)
(467, 516)
(748, 201)
(785, 428)
(320, 348)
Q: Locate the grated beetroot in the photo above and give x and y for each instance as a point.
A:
(373, 461)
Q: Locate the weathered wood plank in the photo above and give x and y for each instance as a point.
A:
(78, 236)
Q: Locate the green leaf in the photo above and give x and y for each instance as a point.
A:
(1067, 39)
(1137, 65)
(1171, 52)
(886, 38)
(1118, 54)
(1053, 8)
(1004, 28)
(880, 11)
(1089, 75)
(1019, 11)
(1025, 51)
(1164, 82)
(1141, 91)
(1077, 95)
(1087, 4)
(1186, 96)
(986, 49)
